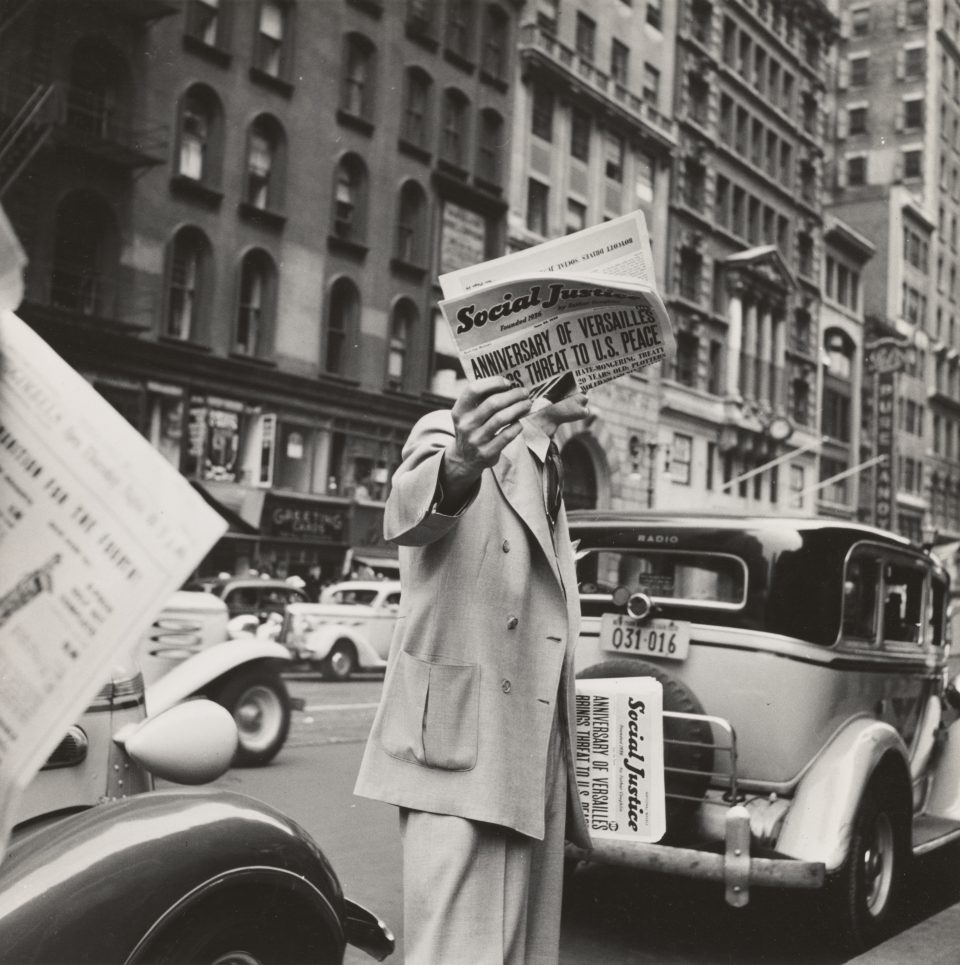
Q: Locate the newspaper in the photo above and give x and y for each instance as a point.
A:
(619, 757)
(566, 315)
(97, 530)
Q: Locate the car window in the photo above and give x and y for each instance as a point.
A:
(903, 585)
(392, 600)
(354, 597)
(242, 597)
(860, 588)
(667, 575)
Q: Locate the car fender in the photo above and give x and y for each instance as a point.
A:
(944, 800)
(819, 823)
(318, 643)
(191, 676)
(153, 855)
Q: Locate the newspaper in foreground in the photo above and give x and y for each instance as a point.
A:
(97, 530)
(619, 757)
(568, 314)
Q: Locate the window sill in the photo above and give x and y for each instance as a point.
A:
(421, 35)
(372, 7)
(277, 84)
(458, 60)
(185, 187)
(252, 359)
(344, 246)
(414, 151)
(216, 55)
(334, 378)
(451, 169)
(359, 124)
(406, 269)
(261, 217)
(488, 186)
(185, 343)
(497, 83)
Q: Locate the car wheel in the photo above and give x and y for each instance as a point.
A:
(258, 700)
(865, 893)
(340, 661)
(688, 750)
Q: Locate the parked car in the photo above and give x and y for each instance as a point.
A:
(187, 653)
(810, 735)
(103, 869)
(349, 629)
(250, 595)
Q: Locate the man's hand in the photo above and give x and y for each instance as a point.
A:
(486, 418)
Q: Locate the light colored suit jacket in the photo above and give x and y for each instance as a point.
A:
(489, 618)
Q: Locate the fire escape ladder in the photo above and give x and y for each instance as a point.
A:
(24, 135)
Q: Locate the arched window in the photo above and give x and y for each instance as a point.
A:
(358, 82)
(266, 146)
(411, 224)
(188, 288)
(495, 42)
(490, 146)
(460, 27)
(402, 325)
(579, 476)
(200, 132)
(350, 199)
(343, 324)
(256, 304)
(416, 107)
(85, 252)
(453, 148)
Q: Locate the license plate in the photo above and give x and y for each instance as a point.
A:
(669, 639)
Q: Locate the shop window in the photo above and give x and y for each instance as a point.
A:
(454, 135)
(213, 441)
(294, 457)
(188, 292)
(350, 199)
(256, 305)
(411, 224)
(343, 324)
(495, 42)
(165, 413)
(416, 107)
(358, 82)
(490, 146)
(200, 132)
(265, 156)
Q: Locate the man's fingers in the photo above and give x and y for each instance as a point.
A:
(498, 420)
(490, 451)
(485, 397)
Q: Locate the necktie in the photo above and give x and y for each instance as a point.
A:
(553, 482)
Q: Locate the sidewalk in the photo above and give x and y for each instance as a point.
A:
(935, 941)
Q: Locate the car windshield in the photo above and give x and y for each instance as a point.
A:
(353, 597)
(665, 575)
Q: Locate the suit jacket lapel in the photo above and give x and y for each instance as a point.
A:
(518, 477)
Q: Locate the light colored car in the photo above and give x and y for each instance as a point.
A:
(349, 629)
(253, 596)
(810, 727)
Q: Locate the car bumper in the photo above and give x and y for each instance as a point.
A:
(364, 930)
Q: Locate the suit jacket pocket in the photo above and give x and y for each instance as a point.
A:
(432, 714)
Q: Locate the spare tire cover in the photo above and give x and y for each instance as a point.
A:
(688, 744)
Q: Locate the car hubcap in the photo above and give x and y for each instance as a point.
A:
(878, 865)
(236, 958)
(340, 662)
(259, 717)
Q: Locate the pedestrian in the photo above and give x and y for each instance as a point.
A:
(473, 736)
(314, 582)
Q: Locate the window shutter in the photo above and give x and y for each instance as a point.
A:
(842, 123)
(843, 74)
(901, 64)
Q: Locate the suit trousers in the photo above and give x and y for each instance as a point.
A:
(481, 894)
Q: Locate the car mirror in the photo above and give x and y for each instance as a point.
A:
(191, 743)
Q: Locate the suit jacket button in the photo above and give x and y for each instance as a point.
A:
(505, 686)
(512, 623)
(506, 546)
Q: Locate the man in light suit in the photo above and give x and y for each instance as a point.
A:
(473, 738)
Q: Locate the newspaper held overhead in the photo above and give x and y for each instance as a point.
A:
(568, 314)
(97, 530)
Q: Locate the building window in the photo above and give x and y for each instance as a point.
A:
(835, 421)
(416, 107)
(264, 156)
(651, 84)
(455, 107)
(691, 268)
(859, 70)
(685, 362)
(576, 216)
(580, 134)
(613, 145)
(912, 163)
(857, 170)
(857, 120)
(914, 61)
(694, 185)
(916, 12)
(543, 113)
(585, 36)
(271, 53)
(701, 17)
(411, 221)
(349, 199)
(644, 166)
(201, 136)
(797, 486)
(422, 17)
(255, 304)
(402, 325)
(460, 26)
(721, 202)
(538, 196)
(356, 92)
(860, 21)
(699, 98)
(913, 113)
(655, 14)
(681, 456)
(204, 22)
(620, 63)
(834, 492)
(495, 43)
(189, 269)
(489, 146)
(548, 15)
(343, 320)
(800, 402)
(716, 370)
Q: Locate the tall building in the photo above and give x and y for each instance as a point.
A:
(235, 213)
(592, 139)
(739, 416)
(895, 177)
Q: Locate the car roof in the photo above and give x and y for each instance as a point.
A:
(366, 585)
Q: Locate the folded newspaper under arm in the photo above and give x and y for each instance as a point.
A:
(568, 314)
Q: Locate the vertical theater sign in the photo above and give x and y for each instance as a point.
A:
(885, 357)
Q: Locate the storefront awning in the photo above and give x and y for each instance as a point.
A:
(239, 506)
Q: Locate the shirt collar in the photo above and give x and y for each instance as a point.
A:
(538, 442)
